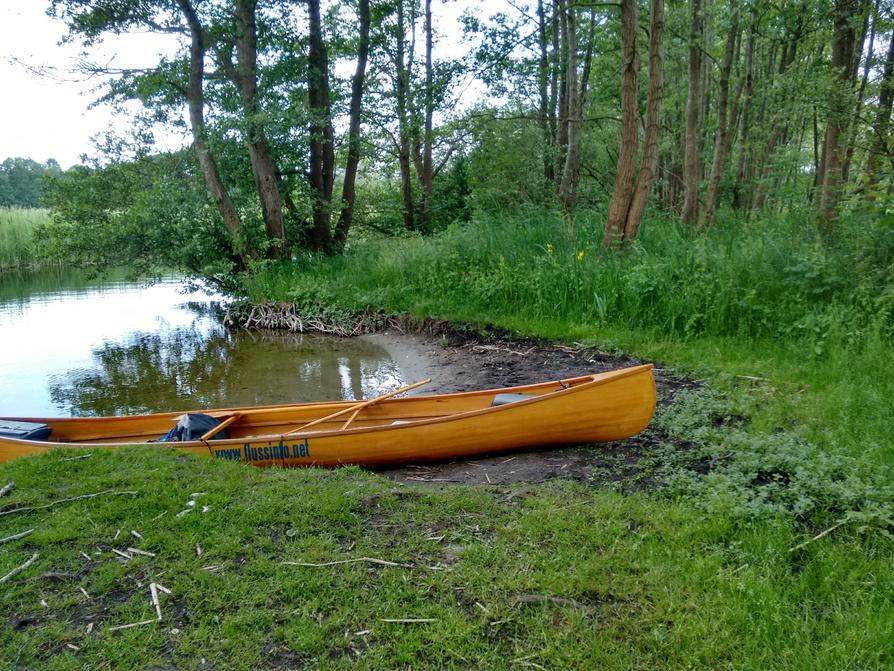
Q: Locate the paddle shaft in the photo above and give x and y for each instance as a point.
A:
(358, 407)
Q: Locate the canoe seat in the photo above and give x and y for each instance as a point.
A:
(504, 399)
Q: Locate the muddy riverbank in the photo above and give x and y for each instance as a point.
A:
(465, 359)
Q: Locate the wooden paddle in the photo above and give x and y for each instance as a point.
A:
(358, 407)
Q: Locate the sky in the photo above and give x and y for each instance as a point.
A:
(46, 117)
(50, 116)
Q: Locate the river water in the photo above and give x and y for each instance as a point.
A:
(75, 346)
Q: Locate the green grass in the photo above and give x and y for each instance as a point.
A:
(555, 576)
(17, 244)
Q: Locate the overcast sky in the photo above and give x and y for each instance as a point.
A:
(46, 117)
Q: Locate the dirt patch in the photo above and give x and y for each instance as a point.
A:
(465, 361)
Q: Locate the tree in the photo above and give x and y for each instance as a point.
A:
(723, 131)
(627, 205)
(880, 148)
(691, 164)
(843, 38)
(21, 181)
(625, 174)
(240, 67)
(321, 136)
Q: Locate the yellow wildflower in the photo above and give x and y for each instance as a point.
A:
(580, 255)
(549, 248)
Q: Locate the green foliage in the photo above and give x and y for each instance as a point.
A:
(768, 475)
(151, 214)
(20, 181)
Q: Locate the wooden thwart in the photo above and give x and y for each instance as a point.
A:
(220, 427)
(357, 408)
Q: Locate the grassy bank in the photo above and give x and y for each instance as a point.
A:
(555, 576)
(17, 242)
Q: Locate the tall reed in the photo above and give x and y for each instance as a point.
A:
(17, 241)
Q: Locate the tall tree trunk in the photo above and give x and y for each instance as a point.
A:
(321, 149)
(262, 163)
(554, 113)
(881, 147)
(402, 89)
(777, 125)
(720, 136)
(571, 169)
(744, 138)
(349, 193)
(426, 175)
(842, 53)
(625, 172)
(195, 97)
(543, 81)
(691, 170)
(871, 15)
(561, 8)
(649, 163)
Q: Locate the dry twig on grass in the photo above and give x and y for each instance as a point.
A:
(370, 560)
(7, 489)
(547, 598)
(18, 569)
(110, 492)
(153, 591)
(138, 551)
(16, 537)
(818, 536)
(132, 624)
(80, 456)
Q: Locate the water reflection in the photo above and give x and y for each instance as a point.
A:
(120, 347)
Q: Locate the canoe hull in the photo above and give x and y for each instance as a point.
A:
(598, 408)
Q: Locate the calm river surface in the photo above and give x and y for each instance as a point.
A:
(71, 346)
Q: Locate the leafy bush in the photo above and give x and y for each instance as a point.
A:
(765, 475)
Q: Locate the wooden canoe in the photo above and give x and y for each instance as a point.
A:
(591, 408)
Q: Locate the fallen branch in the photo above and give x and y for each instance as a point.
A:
(7, 489)
(818, 536)
(370, 560)
(18, 569)
(16, 537)
(110, 492)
